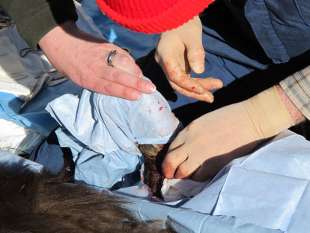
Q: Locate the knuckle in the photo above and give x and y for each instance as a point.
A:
(157, 57)
(128, 93)
(160, 47)
(138, 84)
(101, 90)
(182, 79)
(183, 171)
(194, 53)
(175, 76)
(169, 163)
(200, 51)
(113, 75)
(190, 128)
(123, 59)
(97, 88)
(107, 88)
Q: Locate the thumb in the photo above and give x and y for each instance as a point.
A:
(196, 55)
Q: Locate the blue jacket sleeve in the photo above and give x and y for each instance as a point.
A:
(282, 27)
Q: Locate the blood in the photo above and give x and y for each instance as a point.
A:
(161, 108)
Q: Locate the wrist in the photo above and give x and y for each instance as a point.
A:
(294, 112)
(268, 113)
(64, 43)
(57, 34)
(189, 25)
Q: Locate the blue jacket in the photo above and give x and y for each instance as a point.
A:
(282, 27)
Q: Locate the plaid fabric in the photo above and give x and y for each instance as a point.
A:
(297, 87)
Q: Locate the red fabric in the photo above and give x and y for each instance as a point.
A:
(152, 16)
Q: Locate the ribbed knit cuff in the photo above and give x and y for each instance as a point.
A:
(34, 18)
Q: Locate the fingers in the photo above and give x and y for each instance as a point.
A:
(207, 83)
(179, 164)
(186, 169)
(123, 61)
(123, 80)
(177, 75)
(128, 80)
(85, 62)
(196, 88)
(134, 80)
(173, 157)
(195, 53)
(124, 72)
(206, 96)
(210, 83)
(172, 161)
(113, 89)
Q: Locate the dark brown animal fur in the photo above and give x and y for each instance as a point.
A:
(153, 177)
(31, 203)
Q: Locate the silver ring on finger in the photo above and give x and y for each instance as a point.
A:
(110, 57)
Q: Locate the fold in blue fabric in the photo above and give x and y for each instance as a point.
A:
(103, 132)
(265, 192)
(281, 27)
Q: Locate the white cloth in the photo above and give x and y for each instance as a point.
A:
(107, 130)
(25, 74)
(177, 189)
(20, 76)
(17, 139)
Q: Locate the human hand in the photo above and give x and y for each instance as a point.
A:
(83, 59)
(179, 52)
(213, 140)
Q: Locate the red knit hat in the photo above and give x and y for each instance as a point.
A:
(152, 16)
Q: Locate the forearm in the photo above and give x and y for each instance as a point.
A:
(35, 18)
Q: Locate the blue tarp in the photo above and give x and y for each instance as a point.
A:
(265, 192)
(265, 189)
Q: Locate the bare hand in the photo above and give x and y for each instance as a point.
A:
(83, 59)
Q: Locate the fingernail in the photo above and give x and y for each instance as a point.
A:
(219, 84)
(150, 87)
(169, 176)
(209, 97)
(198, 68)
